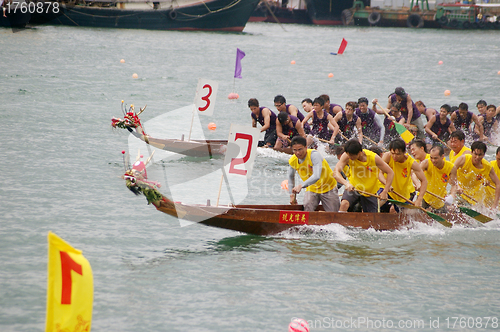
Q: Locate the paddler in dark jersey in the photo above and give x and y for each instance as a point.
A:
(408, 110)
(287, 127)
(463, 118)
(267, 120)
(331, 108)
(347, 120)
(489, 123)
(395, 117)
(282, 106)
(323, 124)
(439, 126)
(373, 126)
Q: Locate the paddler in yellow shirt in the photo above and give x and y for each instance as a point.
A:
(317, 175)
(490, 188)
(457, 145)
(418, 150)
(472, 172)
(438, 172)
(364, 166)
(403, 164)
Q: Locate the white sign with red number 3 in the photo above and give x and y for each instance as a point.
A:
(241, 150)
(206, 93)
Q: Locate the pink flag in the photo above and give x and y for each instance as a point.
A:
(239, 55)
(342, 46)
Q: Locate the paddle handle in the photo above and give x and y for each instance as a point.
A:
(385, 111)
(367, 193)
(437, 196)
(469, 197)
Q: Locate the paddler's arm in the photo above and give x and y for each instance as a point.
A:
(279, 130)
(291, 185)
(344, 159)
(266, 112)
(336, 127)
(423, 182)
(453, 182)
(494, 178)
(459, 163)
(409, 107)
(384, 167)
(300, 129)
(479, 126)
(428, 126)
(380, 124)
(306, 118)
(317, 161)
(360, 130)
(293, 111)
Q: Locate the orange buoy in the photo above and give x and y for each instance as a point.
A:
(447, 92)
(440, 62)
(330, 75)
(292, 62)
(135, 75)
(122, 60)
(212, 126)
(233, 95)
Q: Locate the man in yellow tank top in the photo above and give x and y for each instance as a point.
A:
(472, 172)
(418, 150)
(495, 164)
(439, 173)
(457, 145)
(317, 177)
(364, 166)
(403, 164)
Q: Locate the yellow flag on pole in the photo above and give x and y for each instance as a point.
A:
(70, 288)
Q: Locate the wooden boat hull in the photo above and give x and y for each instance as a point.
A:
(193, 148)
(273, 219)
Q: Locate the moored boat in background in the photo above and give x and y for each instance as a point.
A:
(281, 11)
(469, 16)
(405, 16)
(327, 12)
(210, 15)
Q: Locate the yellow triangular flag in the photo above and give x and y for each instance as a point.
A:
(70, 288)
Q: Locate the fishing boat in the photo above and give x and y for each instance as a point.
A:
(412, 17)
(210, 15)
(327, 12)
(468, 15)
(281, 11)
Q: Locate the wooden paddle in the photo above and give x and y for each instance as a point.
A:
(402, 131)
(470, 212)
(434, 216)
(373, 142)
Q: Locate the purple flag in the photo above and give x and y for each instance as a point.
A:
(239, 55)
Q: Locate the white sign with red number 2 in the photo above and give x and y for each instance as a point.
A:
(241, 151)
(206, 93)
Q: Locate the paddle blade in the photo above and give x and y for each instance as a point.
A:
(405, 133)
(434, 216)
(474, 214)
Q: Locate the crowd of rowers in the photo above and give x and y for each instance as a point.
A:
(372, 176)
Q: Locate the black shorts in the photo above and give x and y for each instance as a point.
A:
(368, 204)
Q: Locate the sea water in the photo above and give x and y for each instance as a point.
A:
(61, 165)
